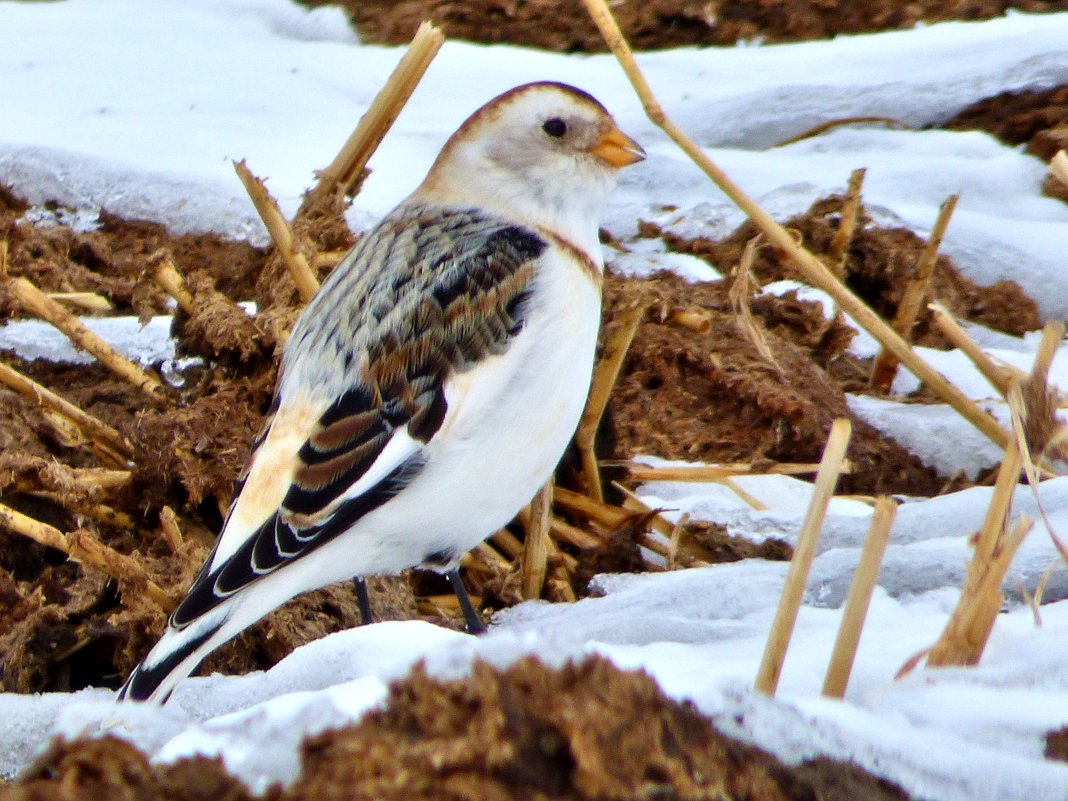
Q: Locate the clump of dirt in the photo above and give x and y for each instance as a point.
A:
(1057, 745)
(112, 768)
(1035, 117)
(660, 23)
(710, 395)
(585, 731)
(880, 263)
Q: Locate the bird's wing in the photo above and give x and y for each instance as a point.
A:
(426, 295)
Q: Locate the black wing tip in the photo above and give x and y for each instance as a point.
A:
(144, 682)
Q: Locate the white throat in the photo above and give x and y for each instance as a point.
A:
(566, 197)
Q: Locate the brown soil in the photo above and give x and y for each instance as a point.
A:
(711, 396)
(1037, 118)
(586, 731)
(1057, 745)
(654, 24)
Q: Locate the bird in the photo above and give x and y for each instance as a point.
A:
(432, 384)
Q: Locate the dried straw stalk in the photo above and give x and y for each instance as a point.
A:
(1058, 166)
(351, 160)
(692, 318)
(963, 640)
(678, 553)
(847, 225)
(884, 368)
(809, 265)
(82, 547)
(304, 279)
(170, 280)
(829, 125)
(58, 477)
(90, 301)
(855, 609)
(999, 376)
(767, 678)
(169, 530)
(96, 430)
(740, 296)
(536, 543)
(639, 473)
(604, 379)
(966, 633)
(36, 301)
(99, 512)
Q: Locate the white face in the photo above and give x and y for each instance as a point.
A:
(544, 151)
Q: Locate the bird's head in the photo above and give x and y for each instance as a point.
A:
(546, 153)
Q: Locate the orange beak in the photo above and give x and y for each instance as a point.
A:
(618, 150)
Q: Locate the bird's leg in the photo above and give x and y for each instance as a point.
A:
(472, 621)
(366, 618)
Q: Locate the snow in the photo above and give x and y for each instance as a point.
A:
(118, 104)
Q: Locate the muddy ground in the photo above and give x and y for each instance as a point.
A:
(703, 391)
(652, 24)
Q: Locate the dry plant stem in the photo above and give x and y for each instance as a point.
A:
(328, 259)
(1041, 432)
(489, 556)
(662, 526)
(839, 254)
(3, 257)
(855, 609)
(90, 477)
(536, 543)
(170, 281)
(809, 265)
(61, 478)
(916, 293)
(604, 379)
(168, 525)
(740, 296)
(1058, 165)
(966, 634)
(596, 511)
(1052, 337)
(509, 544)
(305, 281)
(823, 127)
(997, 514)
(94, 429)
(767, 678)
(35, 530)
(101, 513)
(676, 537)
(998, 375)
(90, 301)
(692, 318)
(83, 548)
(382, 113)
(884, 368)
(752, 501)
(638, 472)
(39, 303)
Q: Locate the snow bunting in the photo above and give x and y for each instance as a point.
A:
(430, 387)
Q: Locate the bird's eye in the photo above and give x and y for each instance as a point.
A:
(555, 127)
